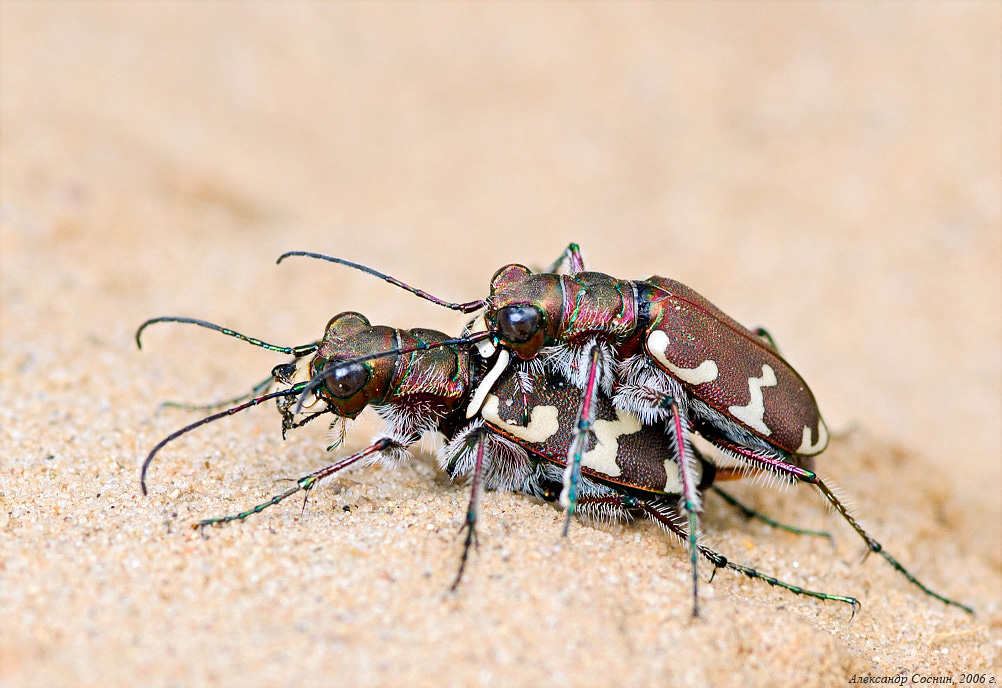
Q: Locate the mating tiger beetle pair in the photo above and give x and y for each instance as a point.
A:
(571, 386)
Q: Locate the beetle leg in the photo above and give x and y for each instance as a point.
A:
(790, 470)
(479, 438)
(572, 257)
(764, 335)
(306, 483)
(678, 427)
(657, 512)
(580, 433)
(752, 513)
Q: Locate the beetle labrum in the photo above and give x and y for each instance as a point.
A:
(419, 381)
(665, 354)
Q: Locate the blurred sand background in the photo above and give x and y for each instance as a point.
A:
(830, 171)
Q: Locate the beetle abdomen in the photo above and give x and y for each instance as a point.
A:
(731, 369)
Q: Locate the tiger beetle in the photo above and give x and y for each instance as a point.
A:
(664, 353)
(419, 381)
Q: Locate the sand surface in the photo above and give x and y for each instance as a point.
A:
(830, 171)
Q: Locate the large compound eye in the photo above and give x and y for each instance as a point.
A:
(345, 379)
(518, 324)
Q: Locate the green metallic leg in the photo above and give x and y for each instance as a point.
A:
(751, 513)
(678, 425)
(305, 484)
(571, 257)
(803, 475)
(718, 560)
(579, 439)
(472, 511)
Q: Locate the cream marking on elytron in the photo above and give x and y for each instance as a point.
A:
(602, 457)
(657, 345)
(673, 481)
(807, 447)
(542, 421)
(753, 414)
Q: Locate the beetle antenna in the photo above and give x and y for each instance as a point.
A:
(297, 351)
(319, 378)
(470, 307)
(294, 390)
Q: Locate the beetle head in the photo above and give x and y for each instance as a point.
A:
(348, 385)
(524, 310)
